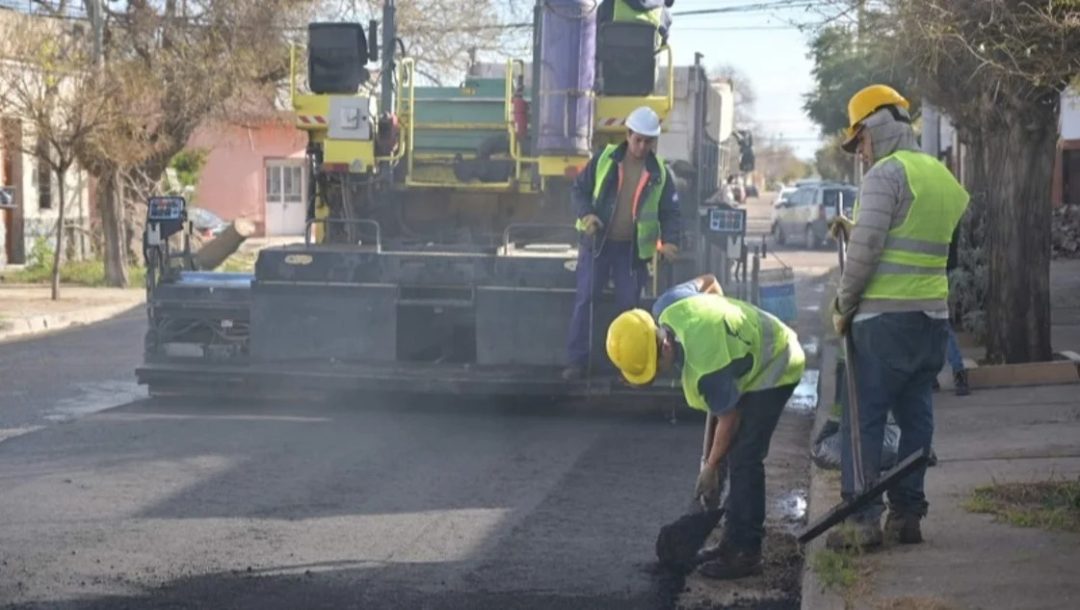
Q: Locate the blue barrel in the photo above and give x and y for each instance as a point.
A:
(776, 293)
(567, 75)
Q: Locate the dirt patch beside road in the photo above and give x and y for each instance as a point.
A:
(1050, 505)
(18, 301)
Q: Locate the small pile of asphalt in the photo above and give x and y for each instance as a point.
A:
(678, 543)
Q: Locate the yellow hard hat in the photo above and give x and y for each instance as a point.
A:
(631, 345)
(867, 102)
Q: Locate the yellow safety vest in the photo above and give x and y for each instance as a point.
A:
(646, 213)
(714, 331)
(624, 12)
(912, 265)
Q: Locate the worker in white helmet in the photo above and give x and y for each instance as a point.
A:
(628, 211)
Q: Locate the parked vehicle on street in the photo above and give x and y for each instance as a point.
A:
(785, 193)
(806, 213)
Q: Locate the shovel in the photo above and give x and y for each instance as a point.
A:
(679, 542)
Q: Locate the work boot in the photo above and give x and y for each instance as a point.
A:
(573, 373)
(731, 563)
(854, 534)
(960, 381)
(903, 527)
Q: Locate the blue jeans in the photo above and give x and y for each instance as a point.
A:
(759, 412)
(615, 262)
(897, 356)
(952, 353)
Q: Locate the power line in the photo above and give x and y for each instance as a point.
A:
(747, 8)
(675, 29)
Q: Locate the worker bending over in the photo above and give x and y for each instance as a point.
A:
(893, 299)
(626, 203)
(739, 364)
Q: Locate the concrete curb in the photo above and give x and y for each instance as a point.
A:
(823, 492)
(21, 328)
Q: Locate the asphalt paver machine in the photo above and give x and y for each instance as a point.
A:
(439, 253)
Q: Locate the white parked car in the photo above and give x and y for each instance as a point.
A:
(778, 204)
(805, 214)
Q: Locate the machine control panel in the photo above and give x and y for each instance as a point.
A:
(161, 209)
(165, 216)
(727, 222)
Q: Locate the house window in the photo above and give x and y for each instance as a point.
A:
(43, 173)
(284, 183)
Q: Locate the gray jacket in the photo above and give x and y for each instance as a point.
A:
(884, 201)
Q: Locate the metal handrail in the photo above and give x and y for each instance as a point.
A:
(411, 138)
(343, 221)
(670, 77)
(515, 153)
(406, 68)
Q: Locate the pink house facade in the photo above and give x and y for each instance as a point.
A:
(255, 172)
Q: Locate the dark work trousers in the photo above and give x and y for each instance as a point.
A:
(897, 356)
(615, 262)
(759, 412)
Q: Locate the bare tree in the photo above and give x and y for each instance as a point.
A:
(743, 89)
(443, 35)
(170, 66)
(777, 162)
(44, 82)
(997, 68)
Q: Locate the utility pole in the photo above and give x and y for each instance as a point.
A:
(860, 19)
(97, 24)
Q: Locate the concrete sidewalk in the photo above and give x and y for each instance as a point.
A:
(969, 560)
(27, 309)
(1065, 305)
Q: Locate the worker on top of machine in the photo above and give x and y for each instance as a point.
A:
(627, 210)
(648, 11)
(740, 365)
(893, 299)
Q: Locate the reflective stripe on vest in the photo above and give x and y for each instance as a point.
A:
(715, 331)
(624, 12)
(646, 214)
(912, 264)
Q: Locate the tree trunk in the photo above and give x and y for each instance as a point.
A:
(58, 253)
(968, 282)
(112, 225)
(1019, 163)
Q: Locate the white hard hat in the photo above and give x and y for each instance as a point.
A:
(644, 121)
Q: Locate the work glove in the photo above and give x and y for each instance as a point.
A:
(670, 252)
(592, 223)
(841, 321)
(707, 492)
(841, 226)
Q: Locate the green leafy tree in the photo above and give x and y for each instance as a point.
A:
(843, 66)
(832, 163)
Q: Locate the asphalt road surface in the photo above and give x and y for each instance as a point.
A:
(115, 502)
(57, 377)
